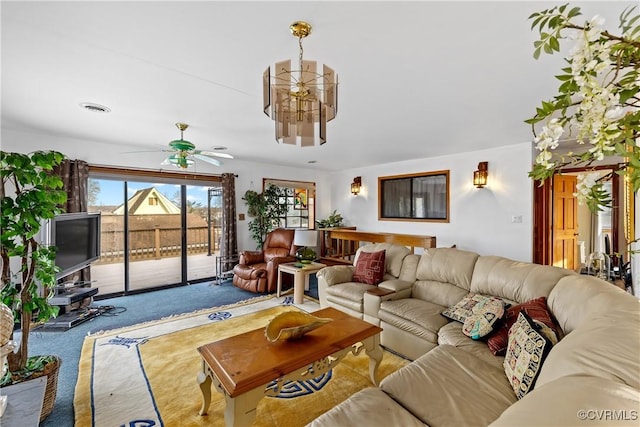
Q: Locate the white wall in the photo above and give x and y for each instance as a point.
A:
(480, 219)
(249, 174)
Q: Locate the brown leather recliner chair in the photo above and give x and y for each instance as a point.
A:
(257, 271)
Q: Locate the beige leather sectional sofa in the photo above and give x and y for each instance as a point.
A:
(590, 377)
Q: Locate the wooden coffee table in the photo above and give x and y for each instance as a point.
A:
(242, 366)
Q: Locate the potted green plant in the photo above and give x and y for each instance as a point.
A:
(333, 220)
(30, 194)
(266, 210)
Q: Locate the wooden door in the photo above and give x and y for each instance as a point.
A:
(565, 222)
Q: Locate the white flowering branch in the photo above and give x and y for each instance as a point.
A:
(599, 98)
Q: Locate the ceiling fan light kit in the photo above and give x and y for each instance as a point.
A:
(185, 152)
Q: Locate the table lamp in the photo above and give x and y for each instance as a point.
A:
(307, 240)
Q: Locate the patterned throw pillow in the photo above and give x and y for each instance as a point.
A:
(370, 267)
(463, 308)
(526, 351)
(483, 318)
(535, 309)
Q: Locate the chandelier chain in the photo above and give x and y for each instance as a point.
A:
(300, 57)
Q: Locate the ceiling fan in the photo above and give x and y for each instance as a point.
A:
(184, 152)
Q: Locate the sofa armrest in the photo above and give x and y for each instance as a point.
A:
(380, 292)
(387, 290)
(251, 257)
(330, 276)
(397, 285)
(335, 274)
(371, 302)
(274, 263)
(247, 272)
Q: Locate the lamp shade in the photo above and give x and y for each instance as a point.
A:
(306, 238)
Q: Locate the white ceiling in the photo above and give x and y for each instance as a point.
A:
(417, 79)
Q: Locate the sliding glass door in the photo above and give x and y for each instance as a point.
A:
(107, 274)
(154, 234)
(204, 224)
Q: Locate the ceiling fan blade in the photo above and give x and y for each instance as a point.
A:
(213, 153)
(159, 149)
(166, 162)
(208, 159)
(142, 151)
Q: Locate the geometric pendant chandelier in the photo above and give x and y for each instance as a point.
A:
(300, 101)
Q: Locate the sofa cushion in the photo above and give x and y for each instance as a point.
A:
(440, 293)
(421, 318)
(484, 317)
(409, 267)
(450, 387)
(578, 298)
(575, 401)
(349, 294)
(452, 334)
(369, 268)
(606, 345)
(464, 308)
(447, 265)
(535, 309)
(527, 349)
(358, 411)
(514, 280)
(394, 255)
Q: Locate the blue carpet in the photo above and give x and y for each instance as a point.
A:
(128, 310)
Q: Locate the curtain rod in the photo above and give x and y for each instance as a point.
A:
(153, 173)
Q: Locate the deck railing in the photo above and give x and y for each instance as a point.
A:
(157, 243)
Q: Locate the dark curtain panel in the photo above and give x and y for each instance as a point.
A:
(229, 240)
(75, 181)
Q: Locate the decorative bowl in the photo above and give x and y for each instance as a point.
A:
(292, 325)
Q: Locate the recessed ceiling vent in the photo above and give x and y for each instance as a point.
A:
(96, 108)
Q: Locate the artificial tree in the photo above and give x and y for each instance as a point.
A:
(266, 209)
(30, 195)
(598, 100)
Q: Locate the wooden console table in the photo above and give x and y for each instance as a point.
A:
(246, 367)
(346, 241)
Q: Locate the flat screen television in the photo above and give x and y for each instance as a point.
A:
(77, 239)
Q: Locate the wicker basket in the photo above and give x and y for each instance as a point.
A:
(51, 370)
(6, 324)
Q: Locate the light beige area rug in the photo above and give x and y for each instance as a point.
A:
(145, 375)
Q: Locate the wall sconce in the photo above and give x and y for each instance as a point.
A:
(355, 185)
(480, 176)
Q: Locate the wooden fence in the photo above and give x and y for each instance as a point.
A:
(156, 243)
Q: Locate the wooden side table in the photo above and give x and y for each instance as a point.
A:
(301, 274)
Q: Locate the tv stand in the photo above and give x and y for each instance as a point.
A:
(72, 299)
(71, 295)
